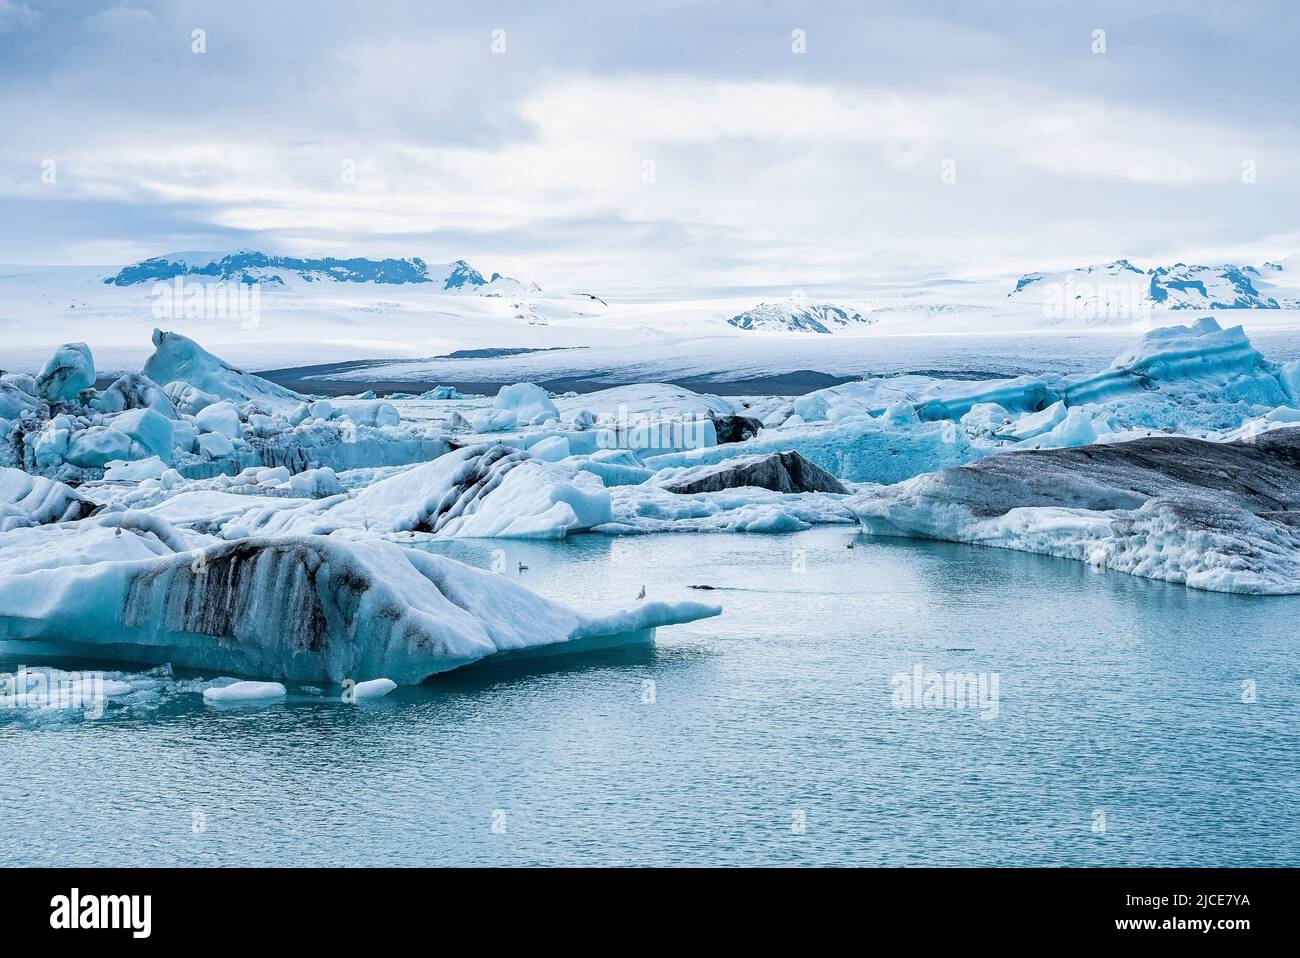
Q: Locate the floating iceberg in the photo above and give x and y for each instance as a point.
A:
(290, 608)
(648, 508)
(1223, 516)
(238, 692)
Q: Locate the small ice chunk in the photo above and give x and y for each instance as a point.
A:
(529, 402)
(220, 418)
(97, 446)
(550, 449)
(245, 692)
(374, 412)
(373, 689)
(213, 445)
(902, 412)
(316, 483)
(494, 420)
(266, 426)
(151, 468)
(149, 428)
(272, 476)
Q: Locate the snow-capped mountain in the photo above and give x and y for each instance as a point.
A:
(1120, 285)
(255, 267)
(798, 317)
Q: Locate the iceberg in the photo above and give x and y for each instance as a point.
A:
(178, 357)
(134, 391)
(856, 448)
(16, 404)
(480, 491)
(1168, 507)
(288, 608)
(778, 471)
(70, 370)
(152, 430)
(221, 418)
(97, 446)
(27, 500)
(528, 402)
(932, 398)
(244, 692)
(647, 508)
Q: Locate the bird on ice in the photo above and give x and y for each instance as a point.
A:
(641, 595)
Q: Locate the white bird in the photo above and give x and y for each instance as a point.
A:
(641, 594)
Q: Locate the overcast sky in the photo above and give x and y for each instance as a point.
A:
(654, 144)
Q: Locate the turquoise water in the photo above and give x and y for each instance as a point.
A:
(771, 737)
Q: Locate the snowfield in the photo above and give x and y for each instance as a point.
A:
(407, 321)
(195, 514)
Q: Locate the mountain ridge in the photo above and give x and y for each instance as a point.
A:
(254, 267)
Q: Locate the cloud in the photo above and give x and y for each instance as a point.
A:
(15, 16)
(595, 145)
(120, 18)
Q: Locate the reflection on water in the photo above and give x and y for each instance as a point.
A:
(768, 735)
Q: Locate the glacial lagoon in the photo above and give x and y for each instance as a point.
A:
(1135, 723)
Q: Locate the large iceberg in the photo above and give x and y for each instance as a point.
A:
(1223, 516)
(179, 358)
(481, 491)
(290, 608)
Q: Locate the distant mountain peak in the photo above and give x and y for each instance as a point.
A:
(795, 316)
(1180, 286)
(257, 267)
